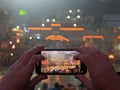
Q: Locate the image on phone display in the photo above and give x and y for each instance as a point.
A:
(59, 62)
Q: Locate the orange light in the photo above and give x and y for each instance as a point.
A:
(56, 25)
(18, 40)
(111, 56)
(93, 36)
(19, 34)
(39, 28)
(57, 37)
(13, 46)
(72, 29)
(20, 30)
(118, 37)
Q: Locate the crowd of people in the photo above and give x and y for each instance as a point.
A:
(6, 49)
(74, 70)
(58, 86)
(102, 74)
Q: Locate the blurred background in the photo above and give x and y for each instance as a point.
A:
(58, 24)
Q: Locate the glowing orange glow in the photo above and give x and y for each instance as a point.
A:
(18, 40)
(57, 37)
(13, 46)
(118, 37)
(39, 28)
(72, 29)
(111, 56)
(95, 36)
(20, 30)
(56, 25)
(19, 34)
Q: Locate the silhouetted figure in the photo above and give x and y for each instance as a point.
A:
(56, 86)
(44, 86)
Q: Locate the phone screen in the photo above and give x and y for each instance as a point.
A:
(59, 62)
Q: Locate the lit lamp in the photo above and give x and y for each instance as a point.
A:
(13, 46)
(18, 40)
(30, 37)
(11, 54)
(111, 56)
(48, 20)
(10, 42)
(70, 11)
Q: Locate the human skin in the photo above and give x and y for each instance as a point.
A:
(18, 77)
(102, 74)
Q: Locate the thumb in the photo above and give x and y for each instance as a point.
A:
(35, 81)
(87, 83)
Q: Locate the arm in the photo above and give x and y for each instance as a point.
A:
(19, 74)
(103, 75)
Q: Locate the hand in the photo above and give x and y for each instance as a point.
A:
(102, 74)
(19, 75)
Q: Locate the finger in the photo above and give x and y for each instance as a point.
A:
(92, 52)
(36, 80)
(102, 57)
(24, 59)
(95, 66)
(87, 83)
(106, 65)
(81, 57)
(91, 64)
(84, 50)
(33, 61)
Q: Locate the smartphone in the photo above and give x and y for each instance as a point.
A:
(60, 62)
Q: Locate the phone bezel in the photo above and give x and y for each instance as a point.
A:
(83, 69)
